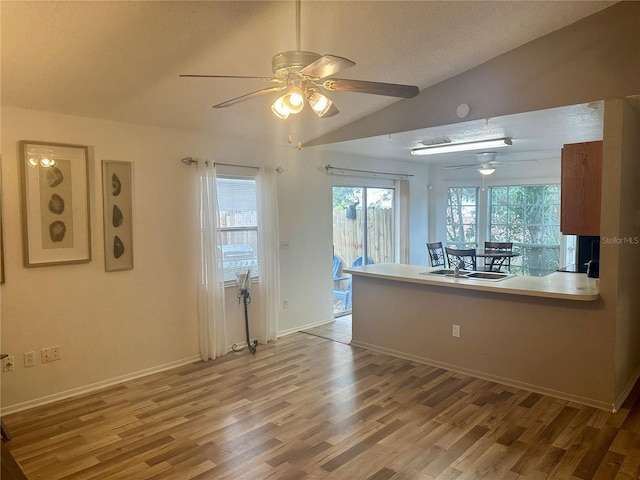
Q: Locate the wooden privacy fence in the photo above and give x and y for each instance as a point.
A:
(347, 235)
(230, 219)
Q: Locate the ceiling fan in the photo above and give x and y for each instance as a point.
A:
(304, 75)
(486, 164)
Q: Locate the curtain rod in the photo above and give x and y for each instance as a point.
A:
(366, 173)
(191, 161)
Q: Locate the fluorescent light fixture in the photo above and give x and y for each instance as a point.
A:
(462, 147)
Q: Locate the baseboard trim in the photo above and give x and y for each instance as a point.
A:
(627, 390)
(37, 402)
(493, 378)
(305, 327)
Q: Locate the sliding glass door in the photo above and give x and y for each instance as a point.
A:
(363, 228)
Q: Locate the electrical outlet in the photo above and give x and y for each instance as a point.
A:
(285, 303)
(8, 364)
(46, 355)
(456, 331)
(29, 359)
(56, 353)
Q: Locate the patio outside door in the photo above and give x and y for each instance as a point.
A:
(360, 233)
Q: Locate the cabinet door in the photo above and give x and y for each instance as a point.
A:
(580, 191)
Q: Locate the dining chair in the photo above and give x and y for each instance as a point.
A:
(465, 258)
(338, 293)
(337, 270)
(347, 298)
(436, 254)
(498, 263)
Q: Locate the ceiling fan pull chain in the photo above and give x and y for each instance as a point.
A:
(298, 25)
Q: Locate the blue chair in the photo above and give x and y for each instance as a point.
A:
(347, 298)
(337, 269)
(358, 262)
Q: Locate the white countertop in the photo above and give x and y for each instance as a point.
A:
(569, 286)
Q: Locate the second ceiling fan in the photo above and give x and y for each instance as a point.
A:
(304, 76)
(486, 163)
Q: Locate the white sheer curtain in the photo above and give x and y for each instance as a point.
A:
(211, 312)
(404, 245)
(268, 254)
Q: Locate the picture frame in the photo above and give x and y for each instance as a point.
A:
(117, 212)
(1, 229)
(55, 203)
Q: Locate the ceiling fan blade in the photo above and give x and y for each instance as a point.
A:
(333, 110)
(512, 162)
(460, 167)
(266, 79)
(326, 65)
(375, 88)
(249, 96)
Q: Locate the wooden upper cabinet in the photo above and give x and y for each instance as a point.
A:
(580, 188)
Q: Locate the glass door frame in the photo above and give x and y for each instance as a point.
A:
(365, 192)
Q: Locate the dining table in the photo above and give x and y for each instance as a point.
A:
(496, 259)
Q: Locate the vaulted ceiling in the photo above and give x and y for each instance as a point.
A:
(121, 60)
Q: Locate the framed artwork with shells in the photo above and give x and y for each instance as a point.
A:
(118, 224)
(55, 203)
(1, 230)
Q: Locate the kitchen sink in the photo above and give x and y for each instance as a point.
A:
(491, 276)
(449, 272)
(488, 275)
(445, 271)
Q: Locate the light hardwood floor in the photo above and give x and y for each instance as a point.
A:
(338, 331)
(309, 408)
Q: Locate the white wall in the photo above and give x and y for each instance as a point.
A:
(117, 325)
(108, 324)
(305, 209)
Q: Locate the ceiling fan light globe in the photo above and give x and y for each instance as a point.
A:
(486, 170)
(279, 108)
(319, 103)
(293, 100)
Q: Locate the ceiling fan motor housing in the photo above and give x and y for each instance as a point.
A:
(486, 157)
(284, 63)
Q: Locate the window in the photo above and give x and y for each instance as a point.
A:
(528, 216)
(462, 217)
(237, 202)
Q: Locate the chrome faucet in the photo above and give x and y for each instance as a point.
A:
(456, 270)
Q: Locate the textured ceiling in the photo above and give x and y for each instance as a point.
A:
(121, 60)
(536, 136)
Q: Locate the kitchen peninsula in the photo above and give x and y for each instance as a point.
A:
(538, 333)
